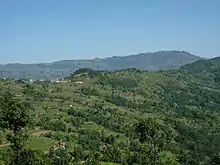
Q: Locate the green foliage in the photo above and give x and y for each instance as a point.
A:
(14, 115)
(57, 125)
(217, 80)
(215, 159)
(91, 140)
(126, 83)
(59, 157)
(166, 158)
(124, 117)
(30, 156)
(156, 138)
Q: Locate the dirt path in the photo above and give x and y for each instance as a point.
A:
(4, 145)
(38, 133)
(42, 132)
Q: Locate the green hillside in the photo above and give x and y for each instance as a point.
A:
(148, 61)
(127, 117)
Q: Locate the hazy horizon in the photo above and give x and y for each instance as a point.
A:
(48, 31)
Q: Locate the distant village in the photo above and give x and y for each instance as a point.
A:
(31, 81)
(77, 73)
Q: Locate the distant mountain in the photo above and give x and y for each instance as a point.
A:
(161, 60)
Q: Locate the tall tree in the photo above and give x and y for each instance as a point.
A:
(151, 133)
(14, 116)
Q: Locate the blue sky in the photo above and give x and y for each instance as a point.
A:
(49, 30)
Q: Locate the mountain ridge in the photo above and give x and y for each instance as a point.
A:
(161, 60)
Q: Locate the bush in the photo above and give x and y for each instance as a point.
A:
(57, 125)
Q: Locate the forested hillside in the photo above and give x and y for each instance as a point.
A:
(148, 61)
(125, 117)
